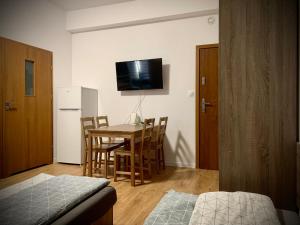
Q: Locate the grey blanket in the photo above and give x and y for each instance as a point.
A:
(175, 208)
(46, 201)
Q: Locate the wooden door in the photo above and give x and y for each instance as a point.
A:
(38, 108)
(208, 106)
(15, 155)
(26, 107)
(1, 103)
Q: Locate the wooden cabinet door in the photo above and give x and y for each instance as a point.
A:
(27, 107)
(258, 98)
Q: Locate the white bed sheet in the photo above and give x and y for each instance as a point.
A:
(234, 208)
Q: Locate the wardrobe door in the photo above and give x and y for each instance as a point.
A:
(258, 98)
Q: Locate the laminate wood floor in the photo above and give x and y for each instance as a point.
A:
(135, 203)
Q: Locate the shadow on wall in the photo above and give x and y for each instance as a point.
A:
(182, 153)
(164, 91)
(182, 149)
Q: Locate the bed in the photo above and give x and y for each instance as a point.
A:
(45, 199)
(220, 208)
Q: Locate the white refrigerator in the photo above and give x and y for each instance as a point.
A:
(73, 103)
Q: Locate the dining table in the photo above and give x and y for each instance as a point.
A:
(126, 131)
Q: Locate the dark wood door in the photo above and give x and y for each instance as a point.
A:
(208, 103)
(26, 107)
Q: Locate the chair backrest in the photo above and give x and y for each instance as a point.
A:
(102, 121)
(86, 124)
(147, 133)
(161, 131)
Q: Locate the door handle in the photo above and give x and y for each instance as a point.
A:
(204, 104)
(8, 106)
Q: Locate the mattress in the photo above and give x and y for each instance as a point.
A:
(219, 208)
(234, 208)
(45, 201)
(13, 189)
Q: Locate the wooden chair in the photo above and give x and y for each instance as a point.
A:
(159, 143)
(102, 121)
(86, 124)
(97, 148)
(141, 151)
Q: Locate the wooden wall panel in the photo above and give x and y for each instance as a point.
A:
(258, 98)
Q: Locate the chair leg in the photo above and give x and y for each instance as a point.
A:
(84, 163)
(115, 167)
(141, 168)
(126, 163)
(100, 160)
(157, 160)
(95, 161)
(105, 164)
(163, 157)
(149, 164)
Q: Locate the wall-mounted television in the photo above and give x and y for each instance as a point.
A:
(139, 74)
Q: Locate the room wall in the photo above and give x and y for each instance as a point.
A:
(93, 65)
(41, 24)
(138, 11)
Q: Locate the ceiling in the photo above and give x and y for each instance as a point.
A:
(83, 4)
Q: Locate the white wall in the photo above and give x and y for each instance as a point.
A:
(134, 12)
(41, 24)
(93, 65)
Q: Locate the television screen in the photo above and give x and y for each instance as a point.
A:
(139, 74)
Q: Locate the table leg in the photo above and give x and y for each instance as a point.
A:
(90, 142)
(105, 164)
(132, 141)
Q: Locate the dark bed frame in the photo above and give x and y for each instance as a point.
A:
(96, 210)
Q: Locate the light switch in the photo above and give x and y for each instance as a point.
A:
(191, 93)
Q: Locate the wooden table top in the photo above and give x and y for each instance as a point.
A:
(122, 128)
